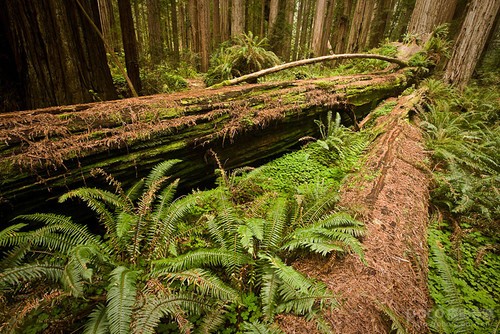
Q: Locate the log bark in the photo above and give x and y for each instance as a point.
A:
(56, 148)
(267, 71)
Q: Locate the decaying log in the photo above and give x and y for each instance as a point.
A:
(56, 148)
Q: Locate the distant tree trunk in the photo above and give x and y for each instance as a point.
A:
(471, 41)
(319, 26)
(360, 26)
(380, 21)
(342, 22)
(60, 58)
(204, 30)
(400, 17)
(224, 20)
(139, 23)
(273, 15)
(129, 43)
(216, 23)
(288, 28)
(428, 14)
(155, 39)
(327, 31)
(237, 18)
(107, 20)
(175, 29)
(298, 30)
(194, 25)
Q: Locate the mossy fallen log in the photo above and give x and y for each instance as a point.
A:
(47, 151)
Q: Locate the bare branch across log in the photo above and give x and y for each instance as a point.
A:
(309, 61)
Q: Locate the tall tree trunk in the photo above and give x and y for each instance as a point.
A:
(129, 43)
(224, 20)
(342, 23)
(298, 29)
(204, 30)
(139, 23)
(400, 17)
(319, 26)
(325, 43)
(194, 25)
(60, 58)
(471, 41)
(155, 39)
(428, 14)
(360, 26)
(216, 23)
(175, 29)
(237, 18)
(107, 20)
(273, 15)
(381, 13)
(288, 29)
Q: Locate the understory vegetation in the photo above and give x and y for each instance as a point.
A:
(214, 260)
(463, 134)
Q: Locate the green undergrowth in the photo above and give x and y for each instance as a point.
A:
(462, 133)
(213, 261)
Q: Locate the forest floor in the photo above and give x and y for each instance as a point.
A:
(390, 195)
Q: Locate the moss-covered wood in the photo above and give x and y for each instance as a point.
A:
(56, 148)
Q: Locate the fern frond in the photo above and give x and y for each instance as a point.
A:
(10, 234)
(229, 260)
(165, 199)
(398, 324)
(204, 283)
(173, 306)
(30, 272)
(120, 299)
(212, 321)
(98, 321)
(269, 292)
(274, 227)
(453, 299)
(162, 234)
(257, 327)
(159, 171)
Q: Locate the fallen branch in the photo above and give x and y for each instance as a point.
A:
(302, 62)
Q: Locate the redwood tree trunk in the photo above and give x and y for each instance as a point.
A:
(319, 26)
(154, 29)
(471, 41)
(59, 56)
(360, 26)
(237, 18)
(204, 26)
(130, 43)
(428, 14)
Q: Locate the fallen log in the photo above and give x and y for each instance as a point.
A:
(44, 152)
(389, 193)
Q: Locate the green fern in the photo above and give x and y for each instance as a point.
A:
(120, 299)
(98, 321)
(455, 320)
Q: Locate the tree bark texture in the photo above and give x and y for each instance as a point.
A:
(55, 149)
(130, 43)
(155, 39)
(360, 26)
(107, 20)
(59, 56)
(204, 25)
(237, 17)
(428, 14)
(319, 26)
(471, 41)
